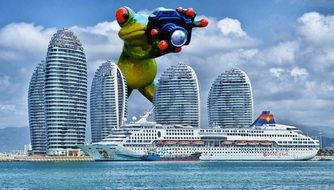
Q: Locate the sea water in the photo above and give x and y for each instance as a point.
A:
(167, 175)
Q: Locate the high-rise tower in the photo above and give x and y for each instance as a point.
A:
(230, 101)
(107, 100)
(176, 98)
(65, 93)
(36, 110)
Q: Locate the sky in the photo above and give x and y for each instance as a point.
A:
(285, 46)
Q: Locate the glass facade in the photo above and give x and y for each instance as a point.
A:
(107, 100)
(230, 101)
(176, 99)
(36, 110)
(65, 93)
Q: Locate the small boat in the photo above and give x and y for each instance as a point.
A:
(171, 157)
(197, 142)
(266, 143)
(170, 142)
(183, 142)
(253, 143)
(241, 143)
(227, 142)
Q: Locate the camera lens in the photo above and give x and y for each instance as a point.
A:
(179, 38)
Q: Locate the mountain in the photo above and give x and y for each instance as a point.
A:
(325, 133)
(13, 138)
(313, 130)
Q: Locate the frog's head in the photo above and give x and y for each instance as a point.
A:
(133, 27)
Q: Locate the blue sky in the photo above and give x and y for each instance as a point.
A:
(286, 47)
(260, 18)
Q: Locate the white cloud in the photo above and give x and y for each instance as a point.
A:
(213, 39)
(229, 26)
(100, 41)
(4, 82)
(281, 54)
(299, 73)
(6, 108)
(317, 28)
(277, 72)
(25, 37)
(322, 58)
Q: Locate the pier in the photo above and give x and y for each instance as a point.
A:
(15, 158)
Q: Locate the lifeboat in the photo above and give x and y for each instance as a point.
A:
(253, 143)
(184, 142)
(241, 143)
(266, 143)
(170, 142)
(198, 142)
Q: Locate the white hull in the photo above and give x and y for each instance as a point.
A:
(238, 153)
(274, 154)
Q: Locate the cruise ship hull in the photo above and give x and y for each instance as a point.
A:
(274, 155)
(235, 153)
(232, 153)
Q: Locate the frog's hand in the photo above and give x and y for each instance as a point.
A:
(201, 23)
(190, 12)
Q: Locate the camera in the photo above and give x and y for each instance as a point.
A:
(170, 29)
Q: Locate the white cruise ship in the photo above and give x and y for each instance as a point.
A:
(263, 140)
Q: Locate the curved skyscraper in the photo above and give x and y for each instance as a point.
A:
(107, 100)
(176, 98)
(230, 101)
(36, 110)
(65, 94)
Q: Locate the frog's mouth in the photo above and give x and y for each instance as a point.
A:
(134, 36)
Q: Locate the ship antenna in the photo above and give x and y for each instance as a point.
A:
(143, 119)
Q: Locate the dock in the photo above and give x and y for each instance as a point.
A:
(10, 158)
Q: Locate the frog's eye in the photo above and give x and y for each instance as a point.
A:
(122, 15)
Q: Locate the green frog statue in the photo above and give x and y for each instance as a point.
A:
(145, 38)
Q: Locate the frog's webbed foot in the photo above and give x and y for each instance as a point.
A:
(148, 91)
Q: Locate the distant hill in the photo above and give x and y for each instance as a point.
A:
(326, 133)
(317, 130)
(313, 130)
(13, 138)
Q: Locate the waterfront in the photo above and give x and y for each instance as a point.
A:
(167, 175)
